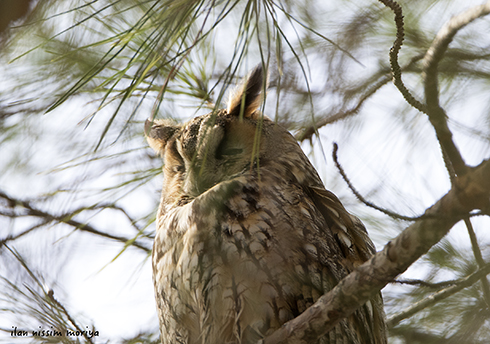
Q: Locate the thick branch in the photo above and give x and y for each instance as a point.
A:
(471, 191)
(434, 55)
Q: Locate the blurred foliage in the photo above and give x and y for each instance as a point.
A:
(80, 77)
(465, 315)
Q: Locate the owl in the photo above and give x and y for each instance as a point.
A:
(247, 236)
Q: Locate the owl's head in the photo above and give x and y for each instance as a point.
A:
(220, 145)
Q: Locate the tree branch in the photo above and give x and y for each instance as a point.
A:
(440, 295)
(66, 218)
(308, 132)
(15, 237)
(361, 198)
(471, 191)
(479, 260)
(395, 49)
(434, 55)
(51, 297)
(426, 284)
(48, 307)
(417, 335)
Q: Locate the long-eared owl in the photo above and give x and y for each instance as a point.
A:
(247, 235)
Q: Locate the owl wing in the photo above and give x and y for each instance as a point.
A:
(349, 231)
(300, 242)
(246, 256)
(356, 246)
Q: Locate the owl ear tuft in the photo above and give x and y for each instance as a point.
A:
(159, 132)
(246, 99)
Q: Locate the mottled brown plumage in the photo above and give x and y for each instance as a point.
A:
(247, 235)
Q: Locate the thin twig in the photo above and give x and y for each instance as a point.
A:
(103, 206)
(67, 219)
(362, 199)
(15, 237)
(70, 319)
(426, 284)
(48, 295)
(395, 49)
(479, 260)
(308, 132)
(440, 295)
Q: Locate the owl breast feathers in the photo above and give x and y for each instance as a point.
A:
(247, 236)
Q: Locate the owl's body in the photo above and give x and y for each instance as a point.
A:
(247, 236)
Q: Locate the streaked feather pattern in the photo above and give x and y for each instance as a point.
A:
(247, 235)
